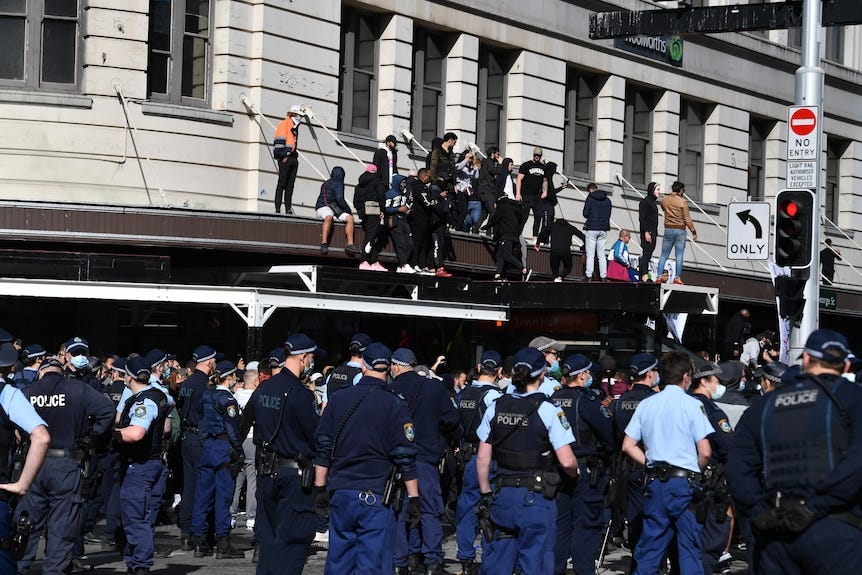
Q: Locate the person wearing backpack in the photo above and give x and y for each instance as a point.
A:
(331, 205)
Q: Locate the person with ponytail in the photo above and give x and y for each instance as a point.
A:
(529, 439)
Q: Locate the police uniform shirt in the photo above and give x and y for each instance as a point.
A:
(299, 416)
(189, 402)
(25, 376)
(19, 410)
(432, 411)
(221, 415)
(548, 386)
(670, 423)
(553, 418)
(836, 490)
(66, 405)
(143, 411)
(719, 439)
(127, 393)
(591, 421)
(154, 381)
(335, 388)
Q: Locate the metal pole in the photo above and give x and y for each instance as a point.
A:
(809, 92)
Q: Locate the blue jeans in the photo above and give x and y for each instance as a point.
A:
(596, 241)
(673, 238)
(474, 216)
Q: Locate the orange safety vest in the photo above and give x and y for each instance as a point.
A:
(287, 132)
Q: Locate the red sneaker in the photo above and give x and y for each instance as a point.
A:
(442, 273)
(678, 281)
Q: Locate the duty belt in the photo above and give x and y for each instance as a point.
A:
(59, 452)
(287, 462)
(469, 449)
(526, 481)
(190, 429)
(664, 471)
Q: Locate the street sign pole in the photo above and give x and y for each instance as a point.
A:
(809, 92)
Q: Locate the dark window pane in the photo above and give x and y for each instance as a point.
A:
(433, 63)
(365, 40)
(58, 51)
(66, 8)
(639, 157)
(197, 17)
(12, 48)
(430, 108)
(160, 25)
(493, 121)
(13, 6)
(583, 143)
(361, 101)
(194, 67)
(157, 73)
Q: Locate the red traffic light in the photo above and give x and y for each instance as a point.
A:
(790, 208)
(793, 225)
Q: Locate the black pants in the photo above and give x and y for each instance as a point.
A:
(648, 249)
(375, 238)
(421, 243)
(402, 239)
(489, 202)
(828, 275)
(457, 209)
(287, 169)
(559, 259)
(506, 255)
(439, 246)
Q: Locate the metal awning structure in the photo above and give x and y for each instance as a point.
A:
(254, 305)
(688, 299)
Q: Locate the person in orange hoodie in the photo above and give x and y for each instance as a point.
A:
(284, 150)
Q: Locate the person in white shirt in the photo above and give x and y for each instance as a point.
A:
(248, 474)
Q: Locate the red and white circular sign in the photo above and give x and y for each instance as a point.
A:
(803, 121)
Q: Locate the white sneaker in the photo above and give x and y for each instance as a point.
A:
(249, 524)
(406, 269)
(177, 499)
(322, 539)
(558, 280)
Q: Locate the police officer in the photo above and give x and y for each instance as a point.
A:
(283, 412)
(795, 466)
(645, 375)
(78, 366)
(222, 451)
(551, 349)
(138, 440)
(364, 437)
(349, 372)
(580, 502)
(674, 431)
(770, 376)
(522, 431)
(433, 413)
(472, 405)
(714, 504)
(191, 411)
(31, 358)
(110, 464)
(55, 500)
(16, 413)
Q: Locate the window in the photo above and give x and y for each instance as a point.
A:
(835, 44)
(358, 102)
(429, 60)
(692, 117)
(794, 37)
(39, 43)
(491, 114)
(835, 149)
(180, 51)
(758, 131)
(637, 144)
(580, 123)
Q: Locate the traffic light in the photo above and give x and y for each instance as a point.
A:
(794, 210)
(791, 297)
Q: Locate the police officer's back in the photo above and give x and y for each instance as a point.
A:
(795, 466)
(350, 371)
(32, 357)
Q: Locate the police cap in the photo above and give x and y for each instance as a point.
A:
(772, 371)
(377, 357)
(299, 343)
(77, 346)
(532, 359)
(51, 362)
(403, 357)
(8, 355)
(34, 350)
(155, 357)
(576, 364)
(828, 345)
(5, 336)
(708, 369)
(491, 360)
(120, 364)
(359, 342)
(203, 353)
(643, 363)
(225, 368)
(544, 344)
(277, 356)
(138, 368)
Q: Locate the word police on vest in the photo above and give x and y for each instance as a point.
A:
(796, 398)
(58, 400)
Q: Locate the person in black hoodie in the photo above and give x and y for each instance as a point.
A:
(330, 206)
(597, 211)
(507, 221)
(420, 221)
(648, 221)
(561, 233)
(487, 183)
(369, 197)
(386, 160)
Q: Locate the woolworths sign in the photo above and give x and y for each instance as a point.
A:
(663, 48)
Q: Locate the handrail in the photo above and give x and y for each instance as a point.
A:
(310, 113)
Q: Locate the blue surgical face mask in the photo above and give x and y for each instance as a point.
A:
(657, 379)
(80, 361)
(308, 370)
(555, 366)
(167, 371)
(589, 381)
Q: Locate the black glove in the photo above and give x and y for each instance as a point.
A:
(413, 512)
(321, 501)
(237, 462)
(483, 513)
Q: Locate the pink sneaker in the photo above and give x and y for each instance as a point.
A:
(378, 267)
(366, 266)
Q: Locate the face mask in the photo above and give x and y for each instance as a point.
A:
(719, 392)
(589, 382)
(80, 361)
(167, 372)
(742, 385)
(308, 370)
(554, 370)
(657, 380)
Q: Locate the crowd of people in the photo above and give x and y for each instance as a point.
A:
(478, 193)
(542, 459)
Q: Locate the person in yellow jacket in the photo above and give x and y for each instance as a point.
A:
(676, 220)
(284, 150)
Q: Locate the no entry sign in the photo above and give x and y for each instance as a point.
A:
(803, 121)
(803, 147)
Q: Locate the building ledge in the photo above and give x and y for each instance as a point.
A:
(46, 99)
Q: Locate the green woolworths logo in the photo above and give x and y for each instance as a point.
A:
(675, 48)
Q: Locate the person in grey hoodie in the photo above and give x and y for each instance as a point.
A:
(597, 211)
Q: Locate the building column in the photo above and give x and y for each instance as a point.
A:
(395, 77)
(725, 155)
(462, 79)
(665, 140)
(850, 186)
(775, 160)
(610, 124)
(535, 107)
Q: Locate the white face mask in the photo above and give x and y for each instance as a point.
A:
(719, 392)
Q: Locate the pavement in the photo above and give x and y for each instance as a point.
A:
(171, 561)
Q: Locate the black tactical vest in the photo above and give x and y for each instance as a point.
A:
(7, 443)
(150, 447)
(471, 410)
(522, 447)
(341, 376)
(568, 399)
(624, 408)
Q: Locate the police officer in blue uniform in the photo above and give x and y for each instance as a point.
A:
(713, 507)
(284, 414)
(581, 501)
(78, 366)
(551, 349)
(191, 411)
(55, 500)
(522, 431)
(31, 358)
(110, 464)
(472, 405)
(795, 467)
(16, 413)
(645, 380)
(674, 431)
(349, 372)
(433, 416)
(138, 440)
(222, 452)
(364, 437)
